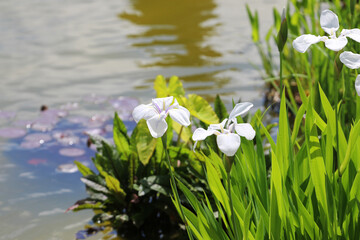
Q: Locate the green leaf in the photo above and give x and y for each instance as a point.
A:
(175, 87)
(160, 87)
(83, 169)
(283, 150)
(354, 134)
(145, 143)
(216, 186)
(114, 185)
(93, 206)
(220, 108)
(93, 185)
(120, 136)
(200, 109)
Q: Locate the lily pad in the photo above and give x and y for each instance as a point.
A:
(12, 132)
(71, 152)
(69, 106)
(78, 119)
(7, 115)
(38, 137)
(94, 131)
(67, 168)
(30, 145)
(94, 98)
(22, 123)
(66, 138)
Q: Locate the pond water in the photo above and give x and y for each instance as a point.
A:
(78, 57)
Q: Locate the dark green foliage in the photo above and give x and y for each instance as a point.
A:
(130, 194)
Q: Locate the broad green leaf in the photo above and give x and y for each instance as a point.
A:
(175, 87)
(114, 185)
(160, 87)
(83, 169)
(145, 143)
(95, 186)
(200, 109)
(121, 139)
(93, 206)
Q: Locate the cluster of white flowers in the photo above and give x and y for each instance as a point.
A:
(329, 21)
(228, 142)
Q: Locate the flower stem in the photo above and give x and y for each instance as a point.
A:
(174, 188)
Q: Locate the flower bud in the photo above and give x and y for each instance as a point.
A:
(283, 32)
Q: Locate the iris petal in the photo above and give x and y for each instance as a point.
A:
(357, 85)
(336, 44)
(303, 42)
(143, 111)
(163, 103)
(329, 21)
(354, 34)
(245, 130)
(157, 126)
(201, 134)
(240, 109)
(218, 126)
(351, 60)
(228, 143)
(180, 115)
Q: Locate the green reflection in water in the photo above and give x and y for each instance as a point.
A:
(177, 31)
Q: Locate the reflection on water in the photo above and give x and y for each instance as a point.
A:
(175, 32)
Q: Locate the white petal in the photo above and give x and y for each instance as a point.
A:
(336, 44)
(354, 34)
(245, 130)
(201, 134)
(143, 111)
(240, 109)
(329, 21)
(162, 103)
(303, 42)
(180, 115)
(351, 60)
(157, 126)
(228, 143)
(218, 126)
(357, 85)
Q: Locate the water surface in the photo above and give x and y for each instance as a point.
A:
(56, 52)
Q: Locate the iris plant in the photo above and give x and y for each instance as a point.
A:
(156, 112)
(227, 140)
(330, 23)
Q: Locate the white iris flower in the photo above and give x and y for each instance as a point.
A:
(156, 112)
(330, 23)
(357, 85)
(227, 140)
